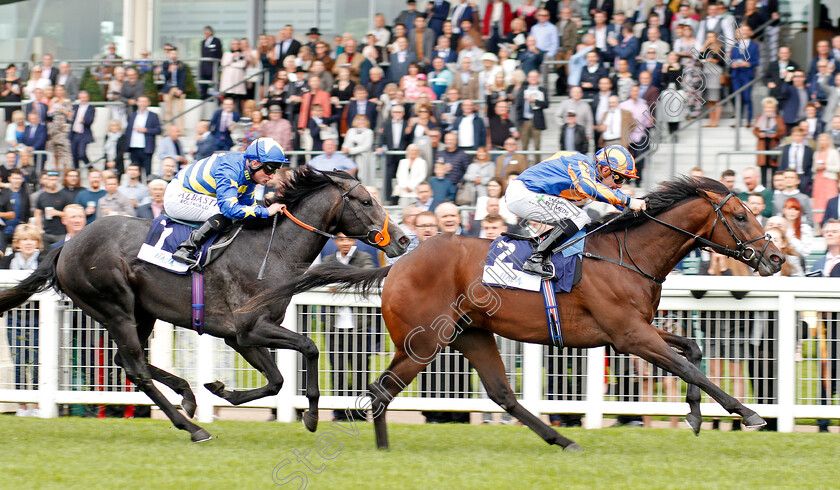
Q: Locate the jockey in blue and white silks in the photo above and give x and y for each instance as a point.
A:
(543, 193)
(219, 189)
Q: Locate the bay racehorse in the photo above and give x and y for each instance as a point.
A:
(433, 297)
(100, 272)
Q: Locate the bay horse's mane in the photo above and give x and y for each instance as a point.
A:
(666, 196)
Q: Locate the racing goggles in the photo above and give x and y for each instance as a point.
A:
(268, 167)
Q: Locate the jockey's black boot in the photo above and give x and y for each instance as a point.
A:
(186, 251)
(538, 263)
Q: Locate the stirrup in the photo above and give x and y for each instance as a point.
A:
(544, 269)
(184, 256)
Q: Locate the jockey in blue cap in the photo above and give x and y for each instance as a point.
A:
(542, 193)
(219, 189)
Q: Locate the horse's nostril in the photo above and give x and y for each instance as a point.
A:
(776, 258)
(403, 240)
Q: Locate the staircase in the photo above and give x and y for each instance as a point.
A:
(679, 158)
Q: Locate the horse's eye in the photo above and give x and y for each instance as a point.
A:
(741, 217)
(366, 202)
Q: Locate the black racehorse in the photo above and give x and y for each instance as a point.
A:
(100, 272)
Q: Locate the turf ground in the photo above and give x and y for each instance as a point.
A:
(90, 453)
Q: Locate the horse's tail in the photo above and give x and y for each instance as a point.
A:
(41, 279)
(343, 277)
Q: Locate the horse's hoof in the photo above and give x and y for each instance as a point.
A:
(573, 448)
(189, 407)
(694, 422)
(383, 448)
(216, 387)
(200, 435)
(753, 421)
(310, 421)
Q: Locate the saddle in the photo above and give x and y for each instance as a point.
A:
(167, 233)
(507, 253)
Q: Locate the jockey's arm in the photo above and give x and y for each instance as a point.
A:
(583, 179)
(227, 195)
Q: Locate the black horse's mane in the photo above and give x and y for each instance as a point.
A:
(666, 196)
(301, 182)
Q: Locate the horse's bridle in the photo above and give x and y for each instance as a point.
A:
(741, 251)
(377, 237)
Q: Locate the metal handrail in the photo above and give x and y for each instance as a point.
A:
(255, 77)
(742, 152)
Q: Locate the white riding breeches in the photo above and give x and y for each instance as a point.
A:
(180, 203)
(542, 208)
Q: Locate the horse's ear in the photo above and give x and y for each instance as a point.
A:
(712, 197)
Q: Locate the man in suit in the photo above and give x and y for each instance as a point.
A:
(572, 135)
(140, 132)
(437, 12)
(744, 62)
(582, 110)
(777, 71)
(153, 208)
(655, 41)
(400, 60)
(359, 105)
(470, 127)
(828, 268)
(74, 220)
(647, 90)
(35, 105)
(80, 133)
(650, 65)
(407, 16)
(627, 48)
(614, 125)
(450, 109)
(35, 137)
(68, 80)
(601, 6)
(48, 71)
(286, 45)
(174, 84)
(510, 162)
(832, 211)
(799, 157)
(171, 146)
(465, 81)
(205, 142)
(590, 75)
(211, 47)
(530, 103)
(600, 105)
(462, 11)
(14, 205)
(393, 137)
(445, 51)
(220, 125)
(422, 42)
(793, 97)
(351, 59)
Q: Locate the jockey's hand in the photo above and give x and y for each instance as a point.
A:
(275, 208)
(637, 205)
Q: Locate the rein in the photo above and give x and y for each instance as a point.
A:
(378, 237)
(742, 251)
